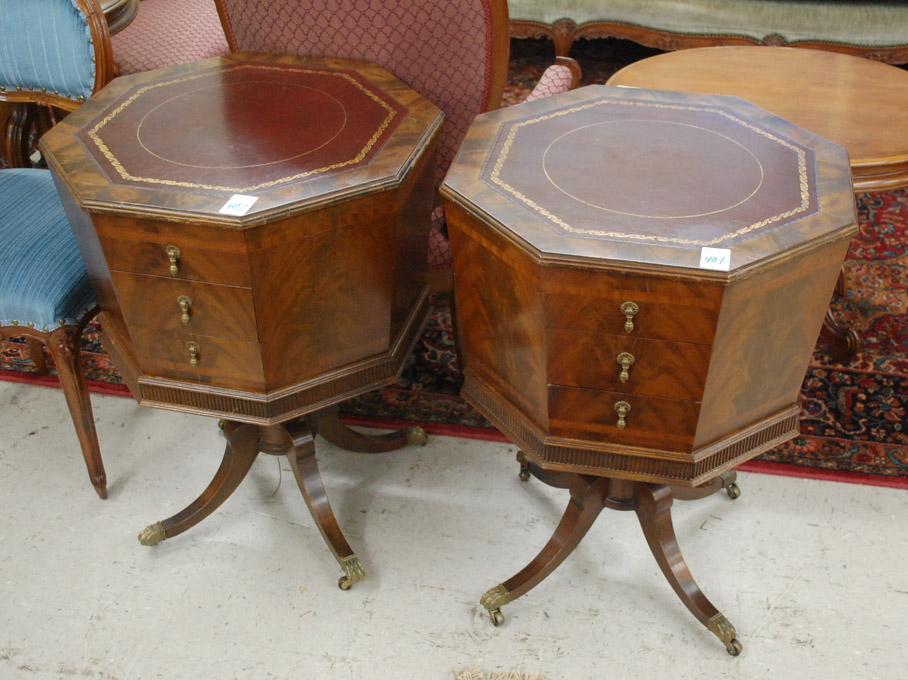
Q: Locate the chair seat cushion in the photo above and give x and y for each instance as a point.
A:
(43, 282)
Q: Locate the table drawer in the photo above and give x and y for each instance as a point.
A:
(663, 309)
(220, 362)
(155, 302)
(152, 254)
(658, 368)
(576, 413)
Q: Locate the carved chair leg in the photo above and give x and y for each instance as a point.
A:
(727, 481)
(587, 494)
(654, 504)
(328, 424)
(36, 354)
(843, 342)
(239, 454)
(559, 480)
(301, 456)
(63, 344)
(18, 129)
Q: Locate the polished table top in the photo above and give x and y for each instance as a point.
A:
(857, 103)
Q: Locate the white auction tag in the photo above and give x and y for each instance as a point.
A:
(715, 258)
(238, 205)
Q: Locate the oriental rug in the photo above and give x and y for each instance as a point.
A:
(853, 424)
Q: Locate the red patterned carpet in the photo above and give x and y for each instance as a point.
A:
(854, 425)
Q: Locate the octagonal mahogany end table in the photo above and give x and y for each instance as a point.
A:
(640, 278)
(256, 228)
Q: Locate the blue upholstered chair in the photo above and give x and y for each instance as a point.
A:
(53, 53)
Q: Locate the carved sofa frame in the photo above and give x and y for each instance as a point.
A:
(876, 30)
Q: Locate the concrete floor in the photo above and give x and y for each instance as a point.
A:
(812, 574)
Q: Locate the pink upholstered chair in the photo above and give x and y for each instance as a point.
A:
(453, 52)
(169, 32)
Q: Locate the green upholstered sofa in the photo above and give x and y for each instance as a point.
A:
(878, 30)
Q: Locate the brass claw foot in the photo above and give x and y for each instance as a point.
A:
(721, 627)
(417, 435)
(353, 572)
(152, 534)
(493, 600)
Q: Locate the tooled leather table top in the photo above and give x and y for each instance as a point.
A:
(242, 128)
(288, 130)
(606, 171)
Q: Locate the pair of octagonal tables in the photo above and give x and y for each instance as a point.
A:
(640, 276)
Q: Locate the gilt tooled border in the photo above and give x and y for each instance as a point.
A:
(108, 154)
(509, 140)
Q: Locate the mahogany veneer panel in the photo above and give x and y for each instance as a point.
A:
(660, 369)
(207, 254)
(221, 362)
(670, 309)
(580, 414)
(152, 301)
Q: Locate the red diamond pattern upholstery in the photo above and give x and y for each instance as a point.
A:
(555, 79)
(169, 32)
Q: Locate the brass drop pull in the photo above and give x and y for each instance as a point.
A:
(186, 303)
(173, 254)
(625, 359)
(629, 309)
(623, 408)
(194, 350)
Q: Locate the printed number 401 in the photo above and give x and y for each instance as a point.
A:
(715, 258)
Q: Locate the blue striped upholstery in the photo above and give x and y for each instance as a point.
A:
(43, 282)
(44, 45)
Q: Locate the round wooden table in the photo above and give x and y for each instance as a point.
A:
(857, 103)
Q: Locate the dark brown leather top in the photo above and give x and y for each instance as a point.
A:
(293, 132)
(581, 174)
(241, 128)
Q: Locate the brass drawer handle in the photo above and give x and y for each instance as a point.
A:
(623, 408)
(173, 254)
(185, 303)
(629, 309)
(625, 359)
(194, 351)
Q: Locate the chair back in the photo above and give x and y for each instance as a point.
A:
(453, 52)
(53, 52)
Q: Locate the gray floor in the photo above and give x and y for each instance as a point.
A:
(812, 574)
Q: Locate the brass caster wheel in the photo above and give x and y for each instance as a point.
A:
(417, 436)
(353, 572)
(733, 491)
(524, 473)
(221, 423)
(497, 617)
(721, 627)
